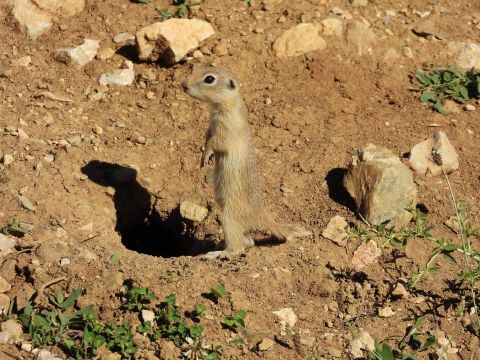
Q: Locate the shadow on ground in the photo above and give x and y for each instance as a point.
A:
(336, 191)
(139, 224)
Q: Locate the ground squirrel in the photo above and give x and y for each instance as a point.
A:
(236, 184)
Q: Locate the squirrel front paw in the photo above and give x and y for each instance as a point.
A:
(206, 156)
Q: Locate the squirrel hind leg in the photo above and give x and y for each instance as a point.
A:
(248, 241)
(234, 235)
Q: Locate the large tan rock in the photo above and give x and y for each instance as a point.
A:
(299, 40)
(64, 8)
(422, 161)
(381, 185)
(169, 41)
(30, 17)
(361, 36)
(464, 54)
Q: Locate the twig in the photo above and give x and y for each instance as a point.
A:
(91, 237)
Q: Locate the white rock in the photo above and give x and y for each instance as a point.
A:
(11, 332)
(22, 134)
(192, 211)
(361, 36)
(47, 355)
(7, 242)
(465, 54)
(123, 37)
(469, 107)
(29, 16)
(335, 230)
(400, 292)
(363, 342)
(170, 40)
(64, 261)
(266, 344)
(421, 159)
(366, 254)
(148, 315)
(333, 26)
(79, 55)
(386, 312)
(7, 159)
(123, 77)
(26, 203)
(287, 319)
(298, 40)
(105, 53)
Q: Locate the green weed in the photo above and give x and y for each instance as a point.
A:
(236, 321)
(183, 8)
(441, 83)
(137, 297)
(15, 228)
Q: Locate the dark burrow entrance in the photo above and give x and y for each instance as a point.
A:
(142, 228)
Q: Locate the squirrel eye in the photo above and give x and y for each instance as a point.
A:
(209, 79)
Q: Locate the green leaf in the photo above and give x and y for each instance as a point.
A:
(387, 353)
(218, 291)
(428, 96)
(422, 78)
(240, 314)
(449, 258)
(464, 92)
(199, 309)
(439, 107)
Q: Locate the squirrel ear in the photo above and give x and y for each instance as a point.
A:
(232, 85)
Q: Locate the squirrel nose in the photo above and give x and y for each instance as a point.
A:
(184, 85)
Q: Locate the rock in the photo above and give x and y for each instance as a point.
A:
(421, 159)
(65, 8)
(361, 36)
(335, 230)
(123, 37)
(363, 342)
(381, 185)
(22, 134)
(400, 292)
(114, 280)
(308, 341)
(332, 26)
(50, 252)
(8, 269)
(7, 242)
(148, 315)
(451, 106)
(358, 3)
(469, 107)
(299, 40)
(65, 261)
(4, 304)
(26, 203)
(105, 53)
(426, 27)
(122, 77)
(334, 352)
(270, 4)
(169, 41)
(464, 54)
(386, 312)
(452, 223)
(266, 344)
(192, 211)
(11, 332)
(47, 355)
(30, 17)
(79, 55)
(24, 296)
(390, 55)
(366, 254)
(221, 49)
(24, 61)
(141, 341)
(7, 159)
(287, 318)
(4, 285)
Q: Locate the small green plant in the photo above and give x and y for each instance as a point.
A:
(137, 297)
(183, 8)
(236, 321)
(413, 341)
(218, 291)
(15, 228)
(172, 325)
(119, 339)
(440, 83)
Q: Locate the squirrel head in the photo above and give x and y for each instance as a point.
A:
(213, 85)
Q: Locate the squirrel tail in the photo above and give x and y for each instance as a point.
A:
(285, 232)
